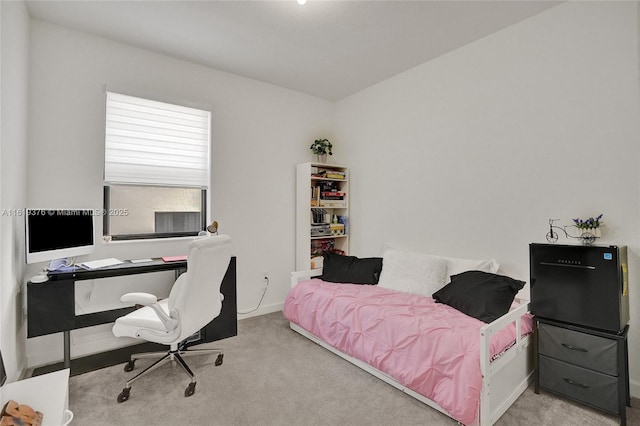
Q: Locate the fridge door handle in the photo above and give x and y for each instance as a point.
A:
(568, 265)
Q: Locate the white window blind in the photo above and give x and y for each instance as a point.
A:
(155, 143)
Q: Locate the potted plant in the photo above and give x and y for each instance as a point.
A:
(321, 147)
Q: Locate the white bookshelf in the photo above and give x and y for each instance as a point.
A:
(305, 208)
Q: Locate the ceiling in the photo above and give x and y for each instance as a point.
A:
(328, 49)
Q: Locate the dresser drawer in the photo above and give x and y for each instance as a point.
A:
(593, 352)
(593, 388)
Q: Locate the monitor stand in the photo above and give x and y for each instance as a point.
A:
(54, 265)
(40, 277)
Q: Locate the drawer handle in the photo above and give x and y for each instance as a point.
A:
(571, 382)
(573, 348)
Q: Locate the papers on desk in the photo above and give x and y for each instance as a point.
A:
(101, 263)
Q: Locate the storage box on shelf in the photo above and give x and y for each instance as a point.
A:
(322, 212)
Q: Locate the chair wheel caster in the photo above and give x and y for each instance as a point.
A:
(124, 395)
(190, 390)
(219, 359)
(129, 366)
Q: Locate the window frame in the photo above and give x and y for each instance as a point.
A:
(149, 235)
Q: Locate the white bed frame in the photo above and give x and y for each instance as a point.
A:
(503, 380)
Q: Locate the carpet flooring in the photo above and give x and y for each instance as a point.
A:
(273, 376)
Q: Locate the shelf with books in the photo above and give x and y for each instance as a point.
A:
(322, 211)
(331, 194)
(325, 172)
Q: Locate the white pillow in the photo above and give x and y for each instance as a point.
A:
(456, 266)
(415, 273)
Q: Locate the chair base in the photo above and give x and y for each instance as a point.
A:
(175, 355)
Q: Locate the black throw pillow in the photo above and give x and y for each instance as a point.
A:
(481, 295)
(350, 269)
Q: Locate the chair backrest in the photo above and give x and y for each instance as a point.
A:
(196, 293)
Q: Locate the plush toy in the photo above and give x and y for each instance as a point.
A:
(14, 414)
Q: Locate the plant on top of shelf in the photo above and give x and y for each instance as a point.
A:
(321, 147)
(591, 223)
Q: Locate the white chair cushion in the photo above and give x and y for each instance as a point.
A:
(143, 318)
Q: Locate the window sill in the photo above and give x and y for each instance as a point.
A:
(108, 241)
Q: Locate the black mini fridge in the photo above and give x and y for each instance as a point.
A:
(582, 285)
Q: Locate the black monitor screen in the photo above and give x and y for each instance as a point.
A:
(59, 229)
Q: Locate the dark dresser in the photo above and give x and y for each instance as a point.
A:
(579, 297)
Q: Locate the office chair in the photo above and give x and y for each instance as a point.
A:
(194, 301)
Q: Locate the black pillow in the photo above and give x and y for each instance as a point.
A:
(350, 269)
(481, 295)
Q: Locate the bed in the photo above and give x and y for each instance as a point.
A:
(408, 325)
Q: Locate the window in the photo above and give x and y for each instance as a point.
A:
(156, 168)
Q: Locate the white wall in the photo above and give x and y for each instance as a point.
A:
(14, 38)
(488, 142)
(259, 133)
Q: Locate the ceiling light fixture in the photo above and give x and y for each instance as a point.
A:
(301, 2)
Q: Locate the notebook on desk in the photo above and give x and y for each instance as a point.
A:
(174, 258)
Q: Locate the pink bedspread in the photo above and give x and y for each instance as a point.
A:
(429, 347)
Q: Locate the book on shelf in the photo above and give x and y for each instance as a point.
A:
(330, 186)
(319, 216)
(327, 191)
(332, 195)
(335, 175)
(336, 204)
(315, 196)
(328, 173)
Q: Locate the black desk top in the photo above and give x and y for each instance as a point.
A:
(126, 268)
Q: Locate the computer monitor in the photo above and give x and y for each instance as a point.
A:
(58, 233)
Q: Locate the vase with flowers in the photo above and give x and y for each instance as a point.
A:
(321, 148)
(588, 229)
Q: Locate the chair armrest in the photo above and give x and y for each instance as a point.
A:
(146, 299)
(139, 298)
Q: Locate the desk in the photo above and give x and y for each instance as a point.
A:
(51, 305)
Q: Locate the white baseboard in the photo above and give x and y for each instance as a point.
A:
(634, 388)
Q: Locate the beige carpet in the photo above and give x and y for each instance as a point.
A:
(273, 376)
